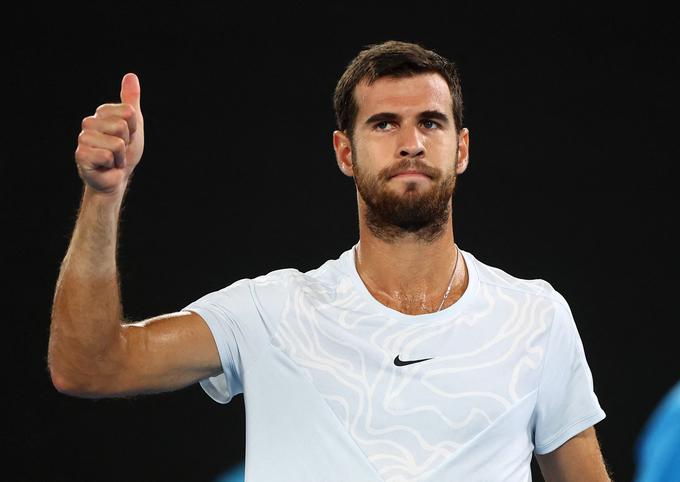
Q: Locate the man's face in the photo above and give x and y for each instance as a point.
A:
(405, 154)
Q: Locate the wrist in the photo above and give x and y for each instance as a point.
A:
(111, 197)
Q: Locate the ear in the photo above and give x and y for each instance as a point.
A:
(463, 150)
(343, 152)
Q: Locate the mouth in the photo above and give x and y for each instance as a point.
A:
(410, 173)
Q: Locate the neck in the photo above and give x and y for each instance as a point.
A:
(411, 274)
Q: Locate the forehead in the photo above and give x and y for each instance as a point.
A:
(404, 95)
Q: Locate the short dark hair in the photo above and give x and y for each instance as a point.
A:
(392, 59)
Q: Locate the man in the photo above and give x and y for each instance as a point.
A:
(404, 359)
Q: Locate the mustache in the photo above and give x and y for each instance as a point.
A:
(408, 165)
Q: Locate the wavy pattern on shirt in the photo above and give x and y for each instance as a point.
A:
(408, 420)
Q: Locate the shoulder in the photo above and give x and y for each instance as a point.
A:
(500, 280)
(273, 279)
(247, 289)
(287, 281)
(278, 282)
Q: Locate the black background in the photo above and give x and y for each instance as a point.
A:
(573, 126)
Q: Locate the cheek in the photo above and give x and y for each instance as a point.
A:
(448, 150)
(379, 154)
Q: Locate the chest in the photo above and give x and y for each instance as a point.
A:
(452, 377)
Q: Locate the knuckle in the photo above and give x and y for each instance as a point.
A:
(87, 122)
(121, 125)
(127, 110)
(120, 145)
(104, 108)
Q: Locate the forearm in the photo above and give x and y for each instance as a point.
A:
(86, 320)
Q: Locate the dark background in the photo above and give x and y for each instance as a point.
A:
(573, 169)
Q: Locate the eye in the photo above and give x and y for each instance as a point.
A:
(382, 125)
(430, 124)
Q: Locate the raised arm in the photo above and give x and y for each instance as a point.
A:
(92, 352)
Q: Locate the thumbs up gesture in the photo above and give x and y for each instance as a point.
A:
(111, 142)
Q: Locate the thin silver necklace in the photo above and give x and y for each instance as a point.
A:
(448, 288)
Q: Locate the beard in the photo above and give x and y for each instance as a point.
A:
(392, 215)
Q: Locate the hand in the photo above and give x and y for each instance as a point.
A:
(112, 141)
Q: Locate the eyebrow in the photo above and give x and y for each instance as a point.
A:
(391, 116)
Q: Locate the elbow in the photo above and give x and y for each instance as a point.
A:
(80, 388)
(81, 373)
(74, 383)
(63, 379)
(63, 384)
(70, 385)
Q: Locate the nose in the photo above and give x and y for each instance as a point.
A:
(411, 143)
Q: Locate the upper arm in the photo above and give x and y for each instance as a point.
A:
(163, 353)
(578, 459)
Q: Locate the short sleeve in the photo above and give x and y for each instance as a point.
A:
(230, 314)
(566, 402)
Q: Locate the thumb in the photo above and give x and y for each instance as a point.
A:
(130, 91)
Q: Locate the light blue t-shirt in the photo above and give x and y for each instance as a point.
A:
(330, 395)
